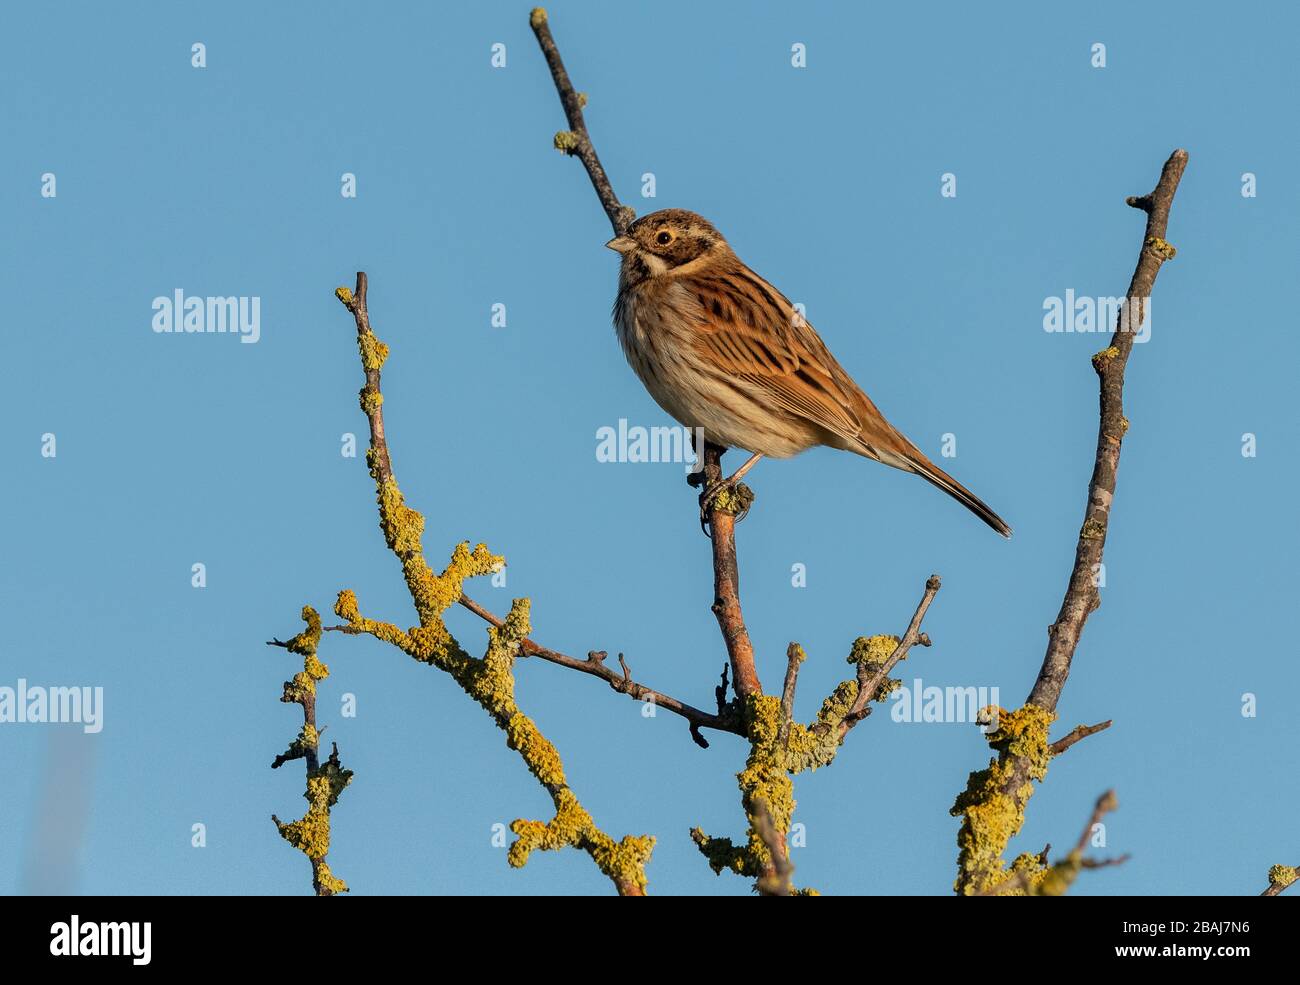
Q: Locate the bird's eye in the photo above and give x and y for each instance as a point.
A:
(664, 238)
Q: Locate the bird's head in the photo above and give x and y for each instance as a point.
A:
(663, 241)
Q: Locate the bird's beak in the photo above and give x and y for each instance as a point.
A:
(622, 244)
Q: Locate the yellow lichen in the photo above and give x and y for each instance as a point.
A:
(1100, 359)
(1094, 528)
(299, 689)
(1160, 249)
(623, 861)
(1283, 875)
(373, 352)
(722, 854)
(331, 884)
(816, 745)
(346, 606)
(765, 781)
(734, 500)
(542, 759)
(371, 400)
(874, 651)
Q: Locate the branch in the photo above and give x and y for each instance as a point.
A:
(576, 141)
(488, 680)
(993, 804)
(595, 665)
(721, 518)
(794, 656)
(311, 833)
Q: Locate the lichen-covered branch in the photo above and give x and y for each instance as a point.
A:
(1032, 875)
(1279, 878)
(781, 748)
(311, 833)
(993, 804)
(873, 675)
(489, 680)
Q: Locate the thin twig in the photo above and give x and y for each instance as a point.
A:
(1080, 732)
(775, 878)
(870, 679)
(794, 656)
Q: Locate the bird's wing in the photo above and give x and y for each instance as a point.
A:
(751, 332)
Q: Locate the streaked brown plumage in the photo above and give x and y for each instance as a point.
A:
(718, 347)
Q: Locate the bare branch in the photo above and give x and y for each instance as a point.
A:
(722, 514)
(1081, 595)
(794, 656)
(1080, 732)
(576, 141)
(594, 665)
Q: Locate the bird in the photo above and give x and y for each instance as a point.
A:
(719, 348)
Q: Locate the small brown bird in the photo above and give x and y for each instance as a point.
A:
(720, 348)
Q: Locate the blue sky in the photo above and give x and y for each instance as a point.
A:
(176, 450)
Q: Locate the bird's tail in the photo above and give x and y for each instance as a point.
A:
(910, 459)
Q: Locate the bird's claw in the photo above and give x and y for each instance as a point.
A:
(710, 495)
